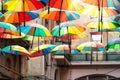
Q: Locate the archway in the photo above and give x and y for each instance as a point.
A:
(95, 77)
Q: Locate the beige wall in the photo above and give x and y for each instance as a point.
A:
(71, 73)
(9, 66)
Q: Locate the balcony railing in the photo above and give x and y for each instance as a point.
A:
(109, 56)
(95, 57)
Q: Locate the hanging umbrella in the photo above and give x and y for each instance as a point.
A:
(30, 38)
(72, 37)
(41, 50)
(1, 14)
(114, 30)
(8, 26)
(114, 4)
(9, 29)
(94, 12)
(15, 49)
(35, 30)
(66, 4)
(114, 47)
(88, 46)
(65, 49)
(106, 24)
(67, 28)
(11, 36)
(114, 41)
(18, 17)
(59, 15)
(116, 18)
(5, 33)
(23, 5)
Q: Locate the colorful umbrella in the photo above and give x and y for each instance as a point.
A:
(23, 5)
(65, 49)
(66, 4)
(8, 26)
(116, 18)
(88, 46)
(41, 50)
(94, 12)
(15, 49)
(11, 36)
(106, 24)
(114, 41)
(5, 33)
(61, 15)
(67, 28)
(30, 38)
(1, 14)
(114, 30)
(78, 36)
(113, 47)
(18, 17)
(35, 30)
(115, 4)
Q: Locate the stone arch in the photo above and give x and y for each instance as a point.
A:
(95, 77)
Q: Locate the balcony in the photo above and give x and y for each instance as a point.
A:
(88, 59)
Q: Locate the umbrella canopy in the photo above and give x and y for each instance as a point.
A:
(30, 38)
(114, 30)
(35, 30)
(94, 12)
(116, 18)
(65, 49)
(72, 37)
(6, 33)
(18, 17)
(11, 36)
(113, 47)
(15, 49)
(23, 5)
(41, 50)
(67, 28)
(61, 15)
(8, 26)
(66, 4)
(1, 14)
(115, 4)
(106, 24)
(88, 46)
(114, 41)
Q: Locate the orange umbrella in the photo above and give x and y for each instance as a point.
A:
(61, 15)
(17, 17)
(66, 4)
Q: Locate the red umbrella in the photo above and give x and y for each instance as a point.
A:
(23, 5)
(66, 4)
(17, 17)
(59, 15)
